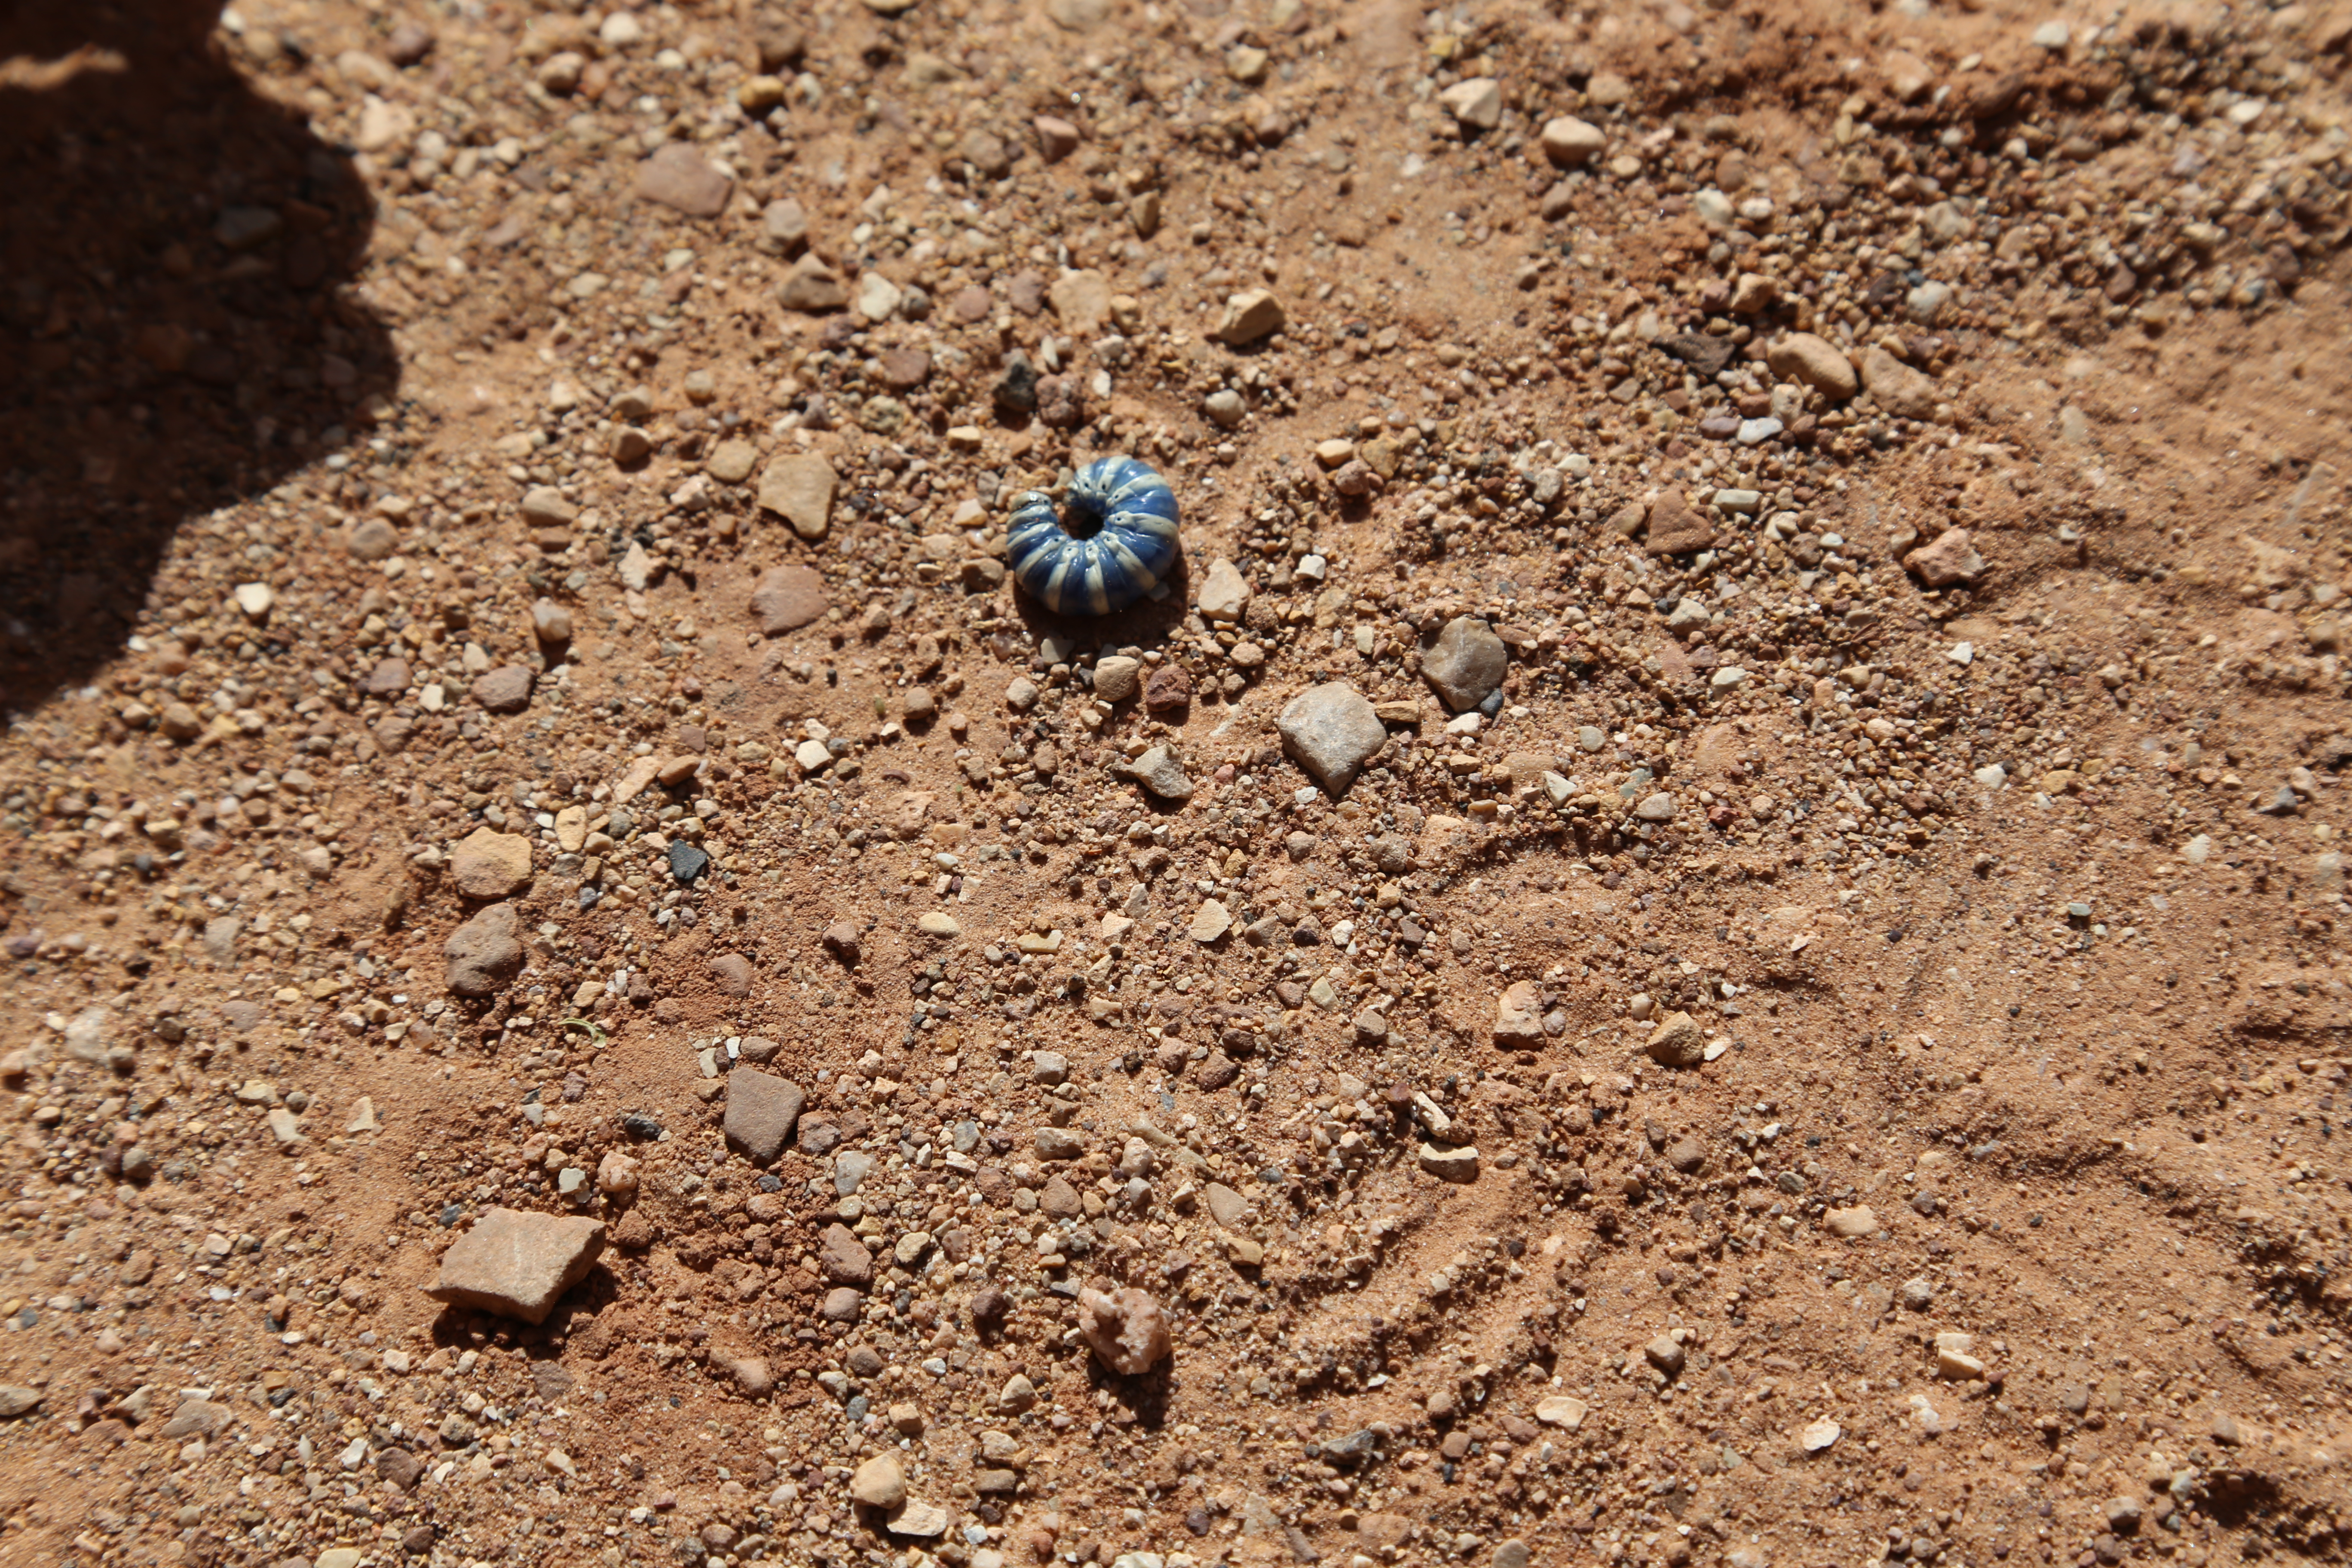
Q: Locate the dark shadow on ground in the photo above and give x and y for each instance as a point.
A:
(174, 333)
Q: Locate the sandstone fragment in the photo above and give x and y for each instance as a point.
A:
(1519, 1016)
(1128, 1331)
(1467, 663)
(1250, 315)
(1951, 558)
(484, 952)
(516, 1264)
(1677, 1042)
(799, 489)
(762, 1110)
(491, 865)
(1331, 730)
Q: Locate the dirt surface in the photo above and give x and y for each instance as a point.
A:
(1704, 928)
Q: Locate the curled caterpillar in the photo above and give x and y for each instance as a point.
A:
(1112, 544)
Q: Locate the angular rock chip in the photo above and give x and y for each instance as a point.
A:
(799, 489)
(1129, 1331)
(1677, 1042)
(484, 952)
(762, 1110)
(787, 598)
(1519, 1016)
(516, 1264)
(1467, 663)
(489, 864)
(679, 178)
(1333, 731)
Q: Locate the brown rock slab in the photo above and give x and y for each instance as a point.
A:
(1168, 686)
(786, 222)
(1677, 1041)
(1519, 1016)
(919, 1518)
(196, 1418)
(370, 539)
(1057, 137)
(880, 1481)
(761, 1109)
(506, 689)
(679, 178)
(1676, 528)
(1081, 300)
(731, 462)
(1949, 559)
(903, 370)
(812, 287)
(1814, 362)
(485, 953)
(401, 1467)
(799, 489)
(1332, 730)
(389, 678)
(1059, 1200)
(491, 865)
(1467, 663)
(1250, 315)
(753, 1376)
(732, 972)
(1897, 387)
(842, 1259)
(787, 598)
(516, 1264)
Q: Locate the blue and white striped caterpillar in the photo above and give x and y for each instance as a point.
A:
(1113, 544)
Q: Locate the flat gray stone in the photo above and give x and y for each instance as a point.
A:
(196, 1418)
(1333, 731)
(1158, 772)
(1467, 663)
(516, 1264)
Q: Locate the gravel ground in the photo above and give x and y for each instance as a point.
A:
(1702, 925)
